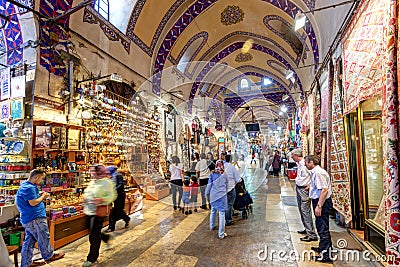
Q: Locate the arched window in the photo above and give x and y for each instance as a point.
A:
(244, 84)
(103, 8)
(117, 12)
(190, 51)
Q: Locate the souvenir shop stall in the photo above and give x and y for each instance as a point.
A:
(104, 124)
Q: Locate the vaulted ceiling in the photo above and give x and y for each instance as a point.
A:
(237, 39)
(205, 48)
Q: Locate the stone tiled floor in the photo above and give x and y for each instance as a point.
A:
(158, 236)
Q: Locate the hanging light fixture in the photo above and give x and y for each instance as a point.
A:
(285, 97)
(299, 21)
(289, 74)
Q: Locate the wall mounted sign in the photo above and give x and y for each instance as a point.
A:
(17, 108)
(5, 110)
(5, 84)
(18, 86)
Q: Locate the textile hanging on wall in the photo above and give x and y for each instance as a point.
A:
(311, 138)
(54, 37)
(390, 134)
(317, 125)
(325, 100)
(341, 195)
(305, 117)
(362, 54)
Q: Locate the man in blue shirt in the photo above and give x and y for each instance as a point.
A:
(33, 218)
(320, 194)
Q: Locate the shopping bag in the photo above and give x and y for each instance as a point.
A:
(103, 210)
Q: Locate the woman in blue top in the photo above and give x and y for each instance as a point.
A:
(217, 188)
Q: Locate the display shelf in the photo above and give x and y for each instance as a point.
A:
(8, 172)
(14, 139)
(13, 163)
(58, 149)
(58, 123)
(58, 172)
(24, 178)
(59, 190)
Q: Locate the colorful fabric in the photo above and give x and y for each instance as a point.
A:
(362, 54)
(310, 137)
(390, 140)
(317, 125)
(12, 33)
(341, 196)
(325, 101)
(54, 37)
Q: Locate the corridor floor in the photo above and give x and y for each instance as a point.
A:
(158, 236)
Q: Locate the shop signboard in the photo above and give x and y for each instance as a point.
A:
(5, 84)
(18, 86)
(17, 109)
(5, 110)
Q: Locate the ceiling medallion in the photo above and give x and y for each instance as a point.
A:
(243, 57)
(231, 15)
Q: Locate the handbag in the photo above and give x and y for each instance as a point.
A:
(103, 210)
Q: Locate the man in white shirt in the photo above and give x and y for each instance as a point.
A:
(303, 199)
(202, 174)
(320, 194)
(233, 179)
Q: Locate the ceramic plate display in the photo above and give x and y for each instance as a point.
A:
(18, 147)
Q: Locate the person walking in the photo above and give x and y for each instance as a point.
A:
(117, 212)
(261, 158)
(100, 192)
(176, 170)
(233, 179)
(210, 161)
(217, 190)
(320, 194)
(33, 218)
(202, 174)
(276, 163)
(303, 199)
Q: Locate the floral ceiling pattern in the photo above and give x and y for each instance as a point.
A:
(232, 15)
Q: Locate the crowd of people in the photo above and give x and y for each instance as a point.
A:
(215, 180)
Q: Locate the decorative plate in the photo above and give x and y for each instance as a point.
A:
(18, 147)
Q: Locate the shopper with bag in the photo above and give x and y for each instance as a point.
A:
(98, 196)
(118, 212)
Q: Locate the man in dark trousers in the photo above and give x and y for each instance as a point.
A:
(320, 194)
(117, 212)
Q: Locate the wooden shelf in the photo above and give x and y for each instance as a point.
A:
(57, 172)
(14, 138)
(58, 123)
(58, 149)
(14, 172)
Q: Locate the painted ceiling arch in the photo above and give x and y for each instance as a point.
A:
(247, 70)
(192, 12)
(243, 36)
(227, 51)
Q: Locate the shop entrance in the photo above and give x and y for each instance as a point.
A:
(364, 132)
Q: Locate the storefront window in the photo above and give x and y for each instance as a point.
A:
(373, 158)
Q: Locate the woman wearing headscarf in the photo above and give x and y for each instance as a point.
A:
(100, 191)
(217, 189)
